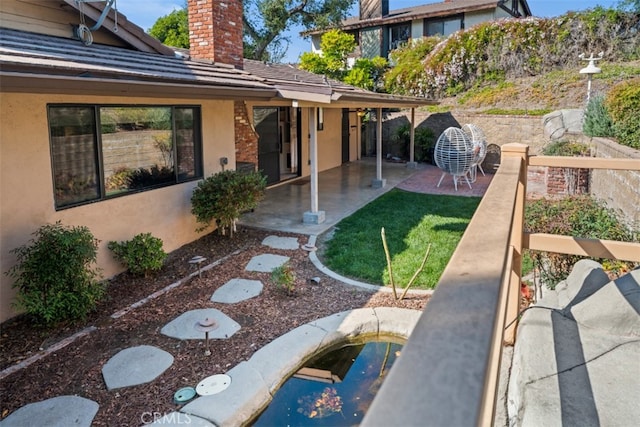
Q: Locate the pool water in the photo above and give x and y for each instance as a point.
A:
(334, 388)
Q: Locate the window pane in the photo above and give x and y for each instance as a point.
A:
(435, 28)
(187, 124)
(137, 148)
(74, 155)
(399, 34)
(451, 26)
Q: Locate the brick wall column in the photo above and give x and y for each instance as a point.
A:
(246, 137)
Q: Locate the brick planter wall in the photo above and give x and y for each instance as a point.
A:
(566, 181)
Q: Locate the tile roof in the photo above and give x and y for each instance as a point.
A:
(293, 83)
(31, 54)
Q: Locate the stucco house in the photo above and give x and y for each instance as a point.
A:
(378, 30)
(102, 126)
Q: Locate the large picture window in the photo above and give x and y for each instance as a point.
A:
(442, 27)
(100, 152)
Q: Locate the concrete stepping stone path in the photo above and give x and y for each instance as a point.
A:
(135, 365)
(266, 263)
(61, 411)
(236, 290)
(183, 326)
(277, 242)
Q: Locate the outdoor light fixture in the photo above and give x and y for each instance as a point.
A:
(590, 70)
(320, 118)
(206, 326)
(360, 112)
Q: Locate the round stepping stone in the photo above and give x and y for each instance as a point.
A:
(61, 411)
(277, 242)
(183, 326)
(135, 365)
(236, 290)
(266, 263)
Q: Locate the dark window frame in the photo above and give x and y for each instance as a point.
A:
(396, 42)
(441, 20)
(98, 133)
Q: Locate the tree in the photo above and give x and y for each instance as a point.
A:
(172, 29)
(336, 45)
(264, 24)
(630, 5)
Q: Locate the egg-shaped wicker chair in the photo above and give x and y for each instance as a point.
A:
(454, 155)
(479, 142)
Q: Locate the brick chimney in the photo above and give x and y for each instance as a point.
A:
(215, 30)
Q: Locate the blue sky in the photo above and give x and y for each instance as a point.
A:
(145, 13)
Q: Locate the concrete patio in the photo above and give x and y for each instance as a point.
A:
(344, 190)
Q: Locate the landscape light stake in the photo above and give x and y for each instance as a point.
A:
(415, 275)
(386, 252)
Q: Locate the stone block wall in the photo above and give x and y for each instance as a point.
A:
(619, 189)
(499, 129)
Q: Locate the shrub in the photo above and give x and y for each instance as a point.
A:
(141, 255)
(53, 274)
(423, 138)
(623, 103)
(284, 277)
(512, 48)
(224, 196)
(566, 148)
(597, 121)
(576, 216)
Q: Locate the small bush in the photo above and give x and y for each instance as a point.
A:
(566, 148)
(577, 216)
(224, 196)
(597, 121)
(53, 274)
(284, 278)
(141, 255)
(424, 141)
(623, 103)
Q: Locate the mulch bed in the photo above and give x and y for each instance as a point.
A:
(76, 368)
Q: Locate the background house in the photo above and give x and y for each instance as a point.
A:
(378, 30)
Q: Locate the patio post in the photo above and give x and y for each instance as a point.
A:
(378, 182)
(412, 141)
(314, 216)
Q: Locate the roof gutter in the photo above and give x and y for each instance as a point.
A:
(42, 83)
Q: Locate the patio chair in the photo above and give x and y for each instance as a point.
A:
(454, 155)
(479, 142)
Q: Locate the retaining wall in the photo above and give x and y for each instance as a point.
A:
(619, 189)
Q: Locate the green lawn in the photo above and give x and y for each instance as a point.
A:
(411, 221)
